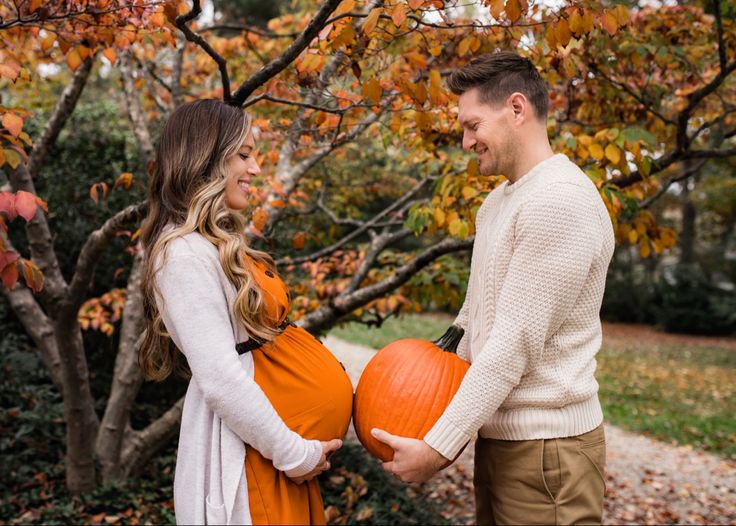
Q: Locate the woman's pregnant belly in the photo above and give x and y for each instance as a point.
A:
(306, 385)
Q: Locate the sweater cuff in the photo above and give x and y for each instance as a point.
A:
(310, 460)
(446, 438)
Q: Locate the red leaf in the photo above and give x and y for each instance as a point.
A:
(9, 268)
(13, 123)
(33, 275)
(25, 205)
(7, 205)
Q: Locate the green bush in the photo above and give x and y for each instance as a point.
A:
(686, 302)
(358, 490)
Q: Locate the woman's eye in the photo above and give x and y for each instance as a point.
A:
(244, 156)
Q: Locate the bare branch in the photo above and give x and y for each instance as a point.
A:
(126, 381)
(93, 249)
(146, 443)
(64, 108)
(41, 245)
(181, 23)
(177, 92)
(38, 326)
(719, 30)
(326, 316)
(248, 28)
(378, 245)
(339, 111)
(646, 203)
(135, 112)
(287, 57)
(358, 231)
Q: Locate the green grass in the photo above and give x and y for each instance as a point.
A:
(423, 326)
(672, 392)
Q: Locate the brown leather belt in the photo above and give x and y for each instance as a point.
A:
(251, 344)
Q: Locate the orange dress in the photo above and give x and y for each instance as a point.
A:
(311, 392)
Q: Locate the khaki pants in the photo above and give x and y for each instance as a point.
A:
(553, 481)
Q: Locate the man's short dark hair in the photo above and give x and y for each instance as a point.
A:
(498, 75)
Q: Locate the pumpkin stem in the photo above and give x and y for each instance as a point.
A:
(451, 339)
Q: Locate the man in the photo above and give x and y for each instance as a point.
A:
(531, 316)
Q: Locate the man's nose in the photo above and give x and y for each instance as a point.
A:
(468, 141)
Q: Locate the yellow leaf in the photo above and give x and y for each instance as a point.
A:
(613, 154)
(398, 14)
(576, 23)
(622, 15)
(33, 275)
(73, 59)
(644, 250)
(608, 22)
(497, 8)
(469, 192)
(596, 151)
(125, 179)
(13, 123)
(344, 7)
(372, 90)
(439, 216)
(513, 10)
(260, 216)
(435, 88)
(48, 42)
(633, 236)
(550, 36)
(110, 55)
(464, 46)
(371, 20)
(562, 32)
(454, 227)
(299, 240)
(12, 158)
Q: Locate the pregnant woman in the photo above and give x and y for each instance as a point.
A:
(267, 403)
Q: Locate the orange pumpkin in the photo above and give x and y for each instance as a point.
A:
(405, 388)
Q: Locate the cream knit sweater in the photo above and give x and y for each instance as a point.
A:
(531, 313)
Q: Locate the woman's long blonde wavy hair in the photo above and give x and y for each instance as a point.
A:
(187, 190)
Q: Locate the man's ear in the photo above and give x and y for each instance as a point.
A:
(519, 104)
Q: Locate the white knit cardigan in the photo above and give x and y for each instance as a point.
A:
(531, 312)
(224, 408)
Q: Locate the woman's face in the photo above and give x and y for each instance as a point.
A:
(241, 168)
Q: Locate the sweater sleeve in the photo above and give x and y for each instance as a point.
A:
(463, 349)
(195, 311)
(557, 237)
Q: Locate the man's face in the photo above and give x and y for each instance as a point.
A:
(486, 131)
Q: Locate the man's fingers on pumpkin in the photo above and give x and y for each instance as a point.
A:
(385, 437)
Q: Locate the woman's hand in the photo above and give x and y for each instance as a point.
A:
(328, 448)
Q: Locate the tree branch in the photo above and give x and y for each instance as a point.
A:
(38, 326)
(181, 23)
(144, 444)
(135, 112)
(64, 108)
(127, 378)
(287, 57)
(93, 249)
(646, 203)
(326, 316)
(358, 231)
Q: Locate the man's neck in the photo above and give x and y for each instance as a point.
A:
(528, 159)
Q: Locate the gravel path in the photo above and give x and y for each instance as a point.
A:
(648, 481)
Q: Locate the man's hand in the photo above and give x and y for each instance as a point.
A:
(328, 448)
(414, 460)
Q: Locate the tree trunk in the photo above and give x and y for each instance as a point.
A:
(687, 235)
(127, 380)
(81, 421)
